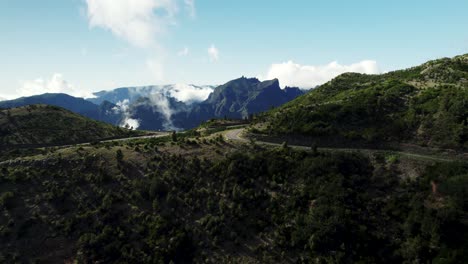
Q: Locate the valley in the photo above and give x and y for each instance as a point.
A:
(298, 183)
(225, 132)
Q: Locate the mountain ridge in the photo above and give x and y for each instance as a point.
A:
(425, 105)
(102, 112)
(51, 125)
(171, 107)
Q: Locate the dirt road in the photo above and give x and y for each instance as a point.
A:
(236, 135)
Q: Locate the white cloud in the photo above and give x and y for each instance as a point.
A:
(309, 76)
(190, 93)
(183, 52)
(56, 84)
(123, 107)
(142, 23)
(139, 22)
(190, 5)
(213, 53)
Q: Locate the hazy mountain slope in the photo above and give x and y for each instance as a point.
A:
(425, 105)
(44, 124)
(102, 112)
(159, 113)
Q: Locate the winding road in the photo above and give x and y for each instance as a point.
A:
(236, 135)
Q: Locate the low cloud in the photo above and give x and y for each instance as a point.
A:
(213, 53)
(161, 104)
(56, 84)
(190, 93)
(123, 108)
(309, 76)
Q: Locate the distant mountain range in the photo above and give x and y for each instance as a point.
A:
(170, 107)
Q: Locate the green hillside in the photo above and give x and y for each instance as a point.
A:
(153, 201)
(51, 125)
(425, 105)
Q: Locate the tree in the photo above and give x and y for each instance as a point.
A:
(119, 155)
(313, 147)
(174, 136)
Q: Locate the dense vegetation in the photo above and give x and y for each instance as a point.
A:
(155, 201)
(425, 105)
(51, 125)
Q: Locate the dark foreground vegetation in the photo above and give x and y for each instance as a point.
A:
(154, 202)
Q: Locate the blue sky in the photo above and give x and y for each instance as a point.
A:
(54, 45)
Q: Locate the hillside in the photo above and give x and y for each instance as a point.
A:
(51, 125)
(102, 112)
(425, 105)
(203, 200)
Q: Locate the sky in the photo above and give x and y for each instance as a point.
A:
(83, 46)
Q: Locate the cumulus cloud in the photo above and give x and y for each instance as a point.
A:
(213, 53)
(139, 22)
(142, 23)
(190, 93)
(183, 52)
(309, 76)
(56, 84)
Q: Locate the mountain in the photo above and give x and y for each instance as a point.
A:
(170, 107)
(425, 105)
(52, 125)
(176, 107)
(159, 112)
(155, 107)
(102, 112)
(242, 97)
